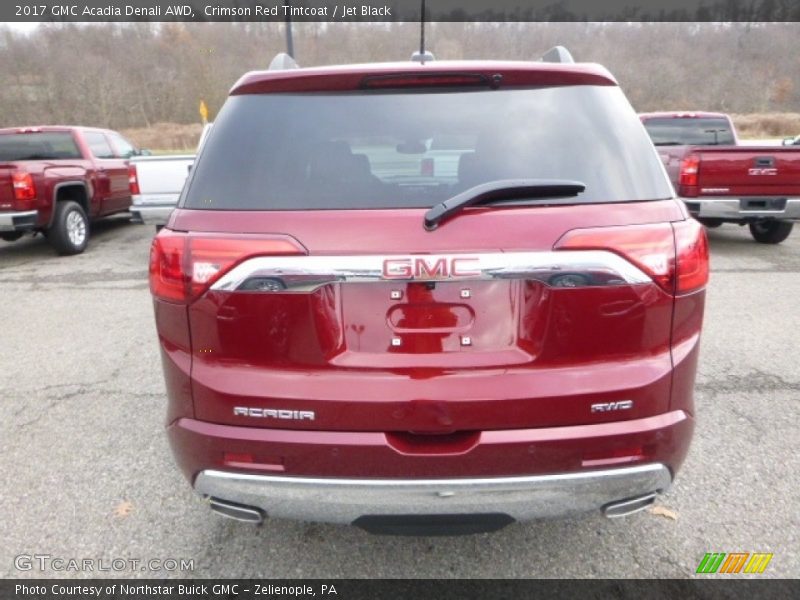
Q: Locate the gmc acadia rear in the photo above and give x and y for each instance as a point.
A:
(723, 182)
(350, 336)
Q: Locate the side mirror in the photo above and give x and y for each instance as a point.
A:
(787, 141)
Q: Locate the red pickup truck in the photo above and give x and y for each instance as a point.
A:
(53, 180)
(348, 335)
(724, 182)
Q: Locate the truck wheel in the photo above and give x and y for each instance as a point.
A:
(10, 236)
(69, 233)
(770, 232)
(711, 223)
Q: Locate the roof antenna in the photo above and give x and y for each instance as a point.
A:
(289, 41)
(423, 55)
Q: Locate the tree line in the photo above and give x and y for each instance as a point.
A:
(138, 74)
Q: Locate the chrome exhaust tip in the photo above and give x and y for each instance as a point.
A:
(624, 508)
(238, 512)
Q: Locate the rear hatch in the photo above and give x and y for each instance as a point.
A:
(317, 299)
(748, 171)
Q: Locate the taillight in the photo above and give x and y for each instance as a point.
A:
(649, 247)
(133, 180)
(673, 255)
(183, 266)
(691, 249)
(688, 176)
(24, 189)
(406, 80)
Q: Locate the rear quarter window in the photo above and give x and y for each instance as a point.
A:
(98, 144)
(415, 149)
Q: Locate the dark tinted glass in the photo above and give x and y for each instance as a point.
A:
(98, 144)
(124, 148)
(690, 131)
(38, 146)
(385, 150)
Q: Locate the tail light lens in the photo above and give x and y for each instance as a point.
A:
(673, 255)
(24, 188)
(691, 249)
(133, 180)
(649, 247)
(688, 176)
(183, 266)
(410, 80)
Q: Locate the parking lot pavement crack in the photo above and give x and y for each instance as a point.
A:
(53, 401)
(81, 391)
(754, 381)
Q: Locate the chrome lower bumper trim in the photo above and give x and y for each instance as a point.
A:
(345, 500)
(731, 209)
(18, 221)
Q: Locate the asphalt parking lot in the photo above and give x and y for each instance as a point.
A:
(87, 473)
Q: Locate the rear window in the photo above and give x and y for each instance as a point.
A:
(38, 146)
(393, 150)
(690, 131)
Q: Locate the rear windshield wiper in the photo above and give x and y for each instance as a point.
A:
(501, 190)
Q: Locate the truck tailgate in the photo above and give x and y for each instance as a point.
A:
(162, 174)
(748, 171)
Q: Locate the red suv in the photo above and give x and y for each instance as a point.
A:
(429, 297)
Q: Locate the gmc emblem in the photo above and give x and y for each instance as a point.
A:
(762, 171)
(433, 267)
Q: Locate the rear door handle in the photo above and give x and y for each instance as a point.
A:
(765, 161)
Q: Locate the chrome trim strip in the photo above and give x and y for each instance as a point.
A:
(725, 207)
(308, 273)
(523, 498)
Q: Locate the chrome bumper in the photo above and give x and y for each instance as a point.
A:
(743, 209)
(18, 221)
(345, 500)
(153, 209)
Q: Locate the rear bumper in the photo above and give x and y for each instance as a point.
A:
(154, 209)
(521, 498)
(18, 221)
(744, 209)
(342, 476)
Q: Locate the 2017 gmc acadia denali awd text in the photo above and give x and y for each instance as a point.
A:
(351, 333)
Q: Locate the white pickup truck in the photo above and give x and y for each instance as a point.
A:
(157, 182)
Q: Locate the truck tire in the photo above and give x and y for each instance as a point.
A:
(770, 232)
(69, 233)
